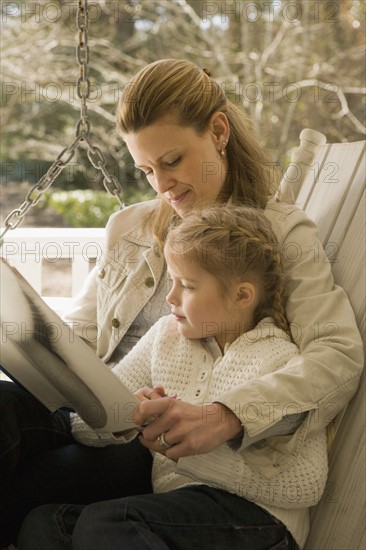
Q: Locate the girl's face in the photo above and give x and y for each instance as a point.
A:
(184, 167)
(199, 306)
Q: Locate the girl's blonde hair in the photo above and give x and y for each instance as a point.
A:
(234, 243)
(180, 88)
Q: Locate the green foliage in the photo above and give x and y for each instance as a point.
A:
(87, 208)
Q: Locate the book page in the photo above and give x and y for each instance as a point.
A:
(43, 354)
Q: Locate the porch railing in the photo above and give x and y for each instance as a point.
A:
(55, 261)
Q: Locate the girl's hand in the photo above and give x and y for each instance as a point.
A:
(146, 393)
(186, 429)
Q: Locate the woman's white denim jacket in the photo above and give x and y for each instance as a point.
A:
(321, 380)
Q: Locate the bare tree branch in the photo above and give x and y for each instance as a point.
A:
(344, 111)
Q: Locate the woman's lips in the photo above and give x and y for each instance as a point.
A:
(178, 198)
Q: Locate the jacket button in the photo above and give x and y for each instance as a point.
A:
(101, 273)
(149, 282)
(115, 323)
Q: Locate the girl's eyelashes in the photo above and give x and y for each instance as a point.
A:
(186, 286)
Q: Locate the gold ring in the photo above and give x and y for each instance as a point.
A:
(162, 441)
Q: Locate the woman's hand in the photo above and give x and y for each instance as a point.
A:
(185, 429)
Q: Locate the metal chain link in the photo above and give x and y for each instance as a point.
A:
(95, 155)
(16, 216)
(110, 182)
(82, 56)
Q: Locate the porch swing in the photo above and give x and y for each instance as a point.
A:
(328, 182)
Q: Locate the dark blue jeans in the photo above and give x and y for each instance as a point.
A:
(194, 518)
(40, 463)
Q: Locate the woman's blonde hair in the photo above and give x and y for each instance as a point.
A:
(180, 88)
(233, 243)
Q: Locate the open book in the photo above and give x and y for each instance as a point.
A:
(43, 354)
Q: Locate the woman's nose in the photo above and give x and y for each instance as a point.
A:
(163, 182)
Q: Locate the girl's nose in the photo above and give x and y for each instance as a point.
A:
(171, 297)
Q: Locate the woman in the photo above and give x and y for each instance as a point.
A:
(195, 148)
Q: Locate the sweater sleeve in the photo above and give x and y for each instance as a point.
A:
(324, 377)
(82, 433)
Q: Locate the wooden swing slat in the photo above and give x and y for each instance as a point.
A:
(332, 193)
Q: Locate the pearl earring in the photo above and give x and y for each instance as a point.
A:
(222, 152)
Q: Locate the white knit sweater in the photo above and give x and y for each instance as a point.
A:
(198, 373)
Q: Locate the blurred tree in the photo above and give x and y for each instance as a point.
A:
(290, 64)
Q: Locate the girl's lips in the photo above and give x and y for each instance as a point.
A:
(178, 317)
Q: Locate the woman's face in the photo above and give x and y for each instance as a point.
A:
(184, 167)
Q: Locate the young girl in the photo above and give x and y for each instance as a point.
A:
(227, 326)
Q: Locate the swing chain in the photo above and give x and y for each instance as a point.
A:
(82, 56)
(110, 182)
(16, 216)
(96, 157)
